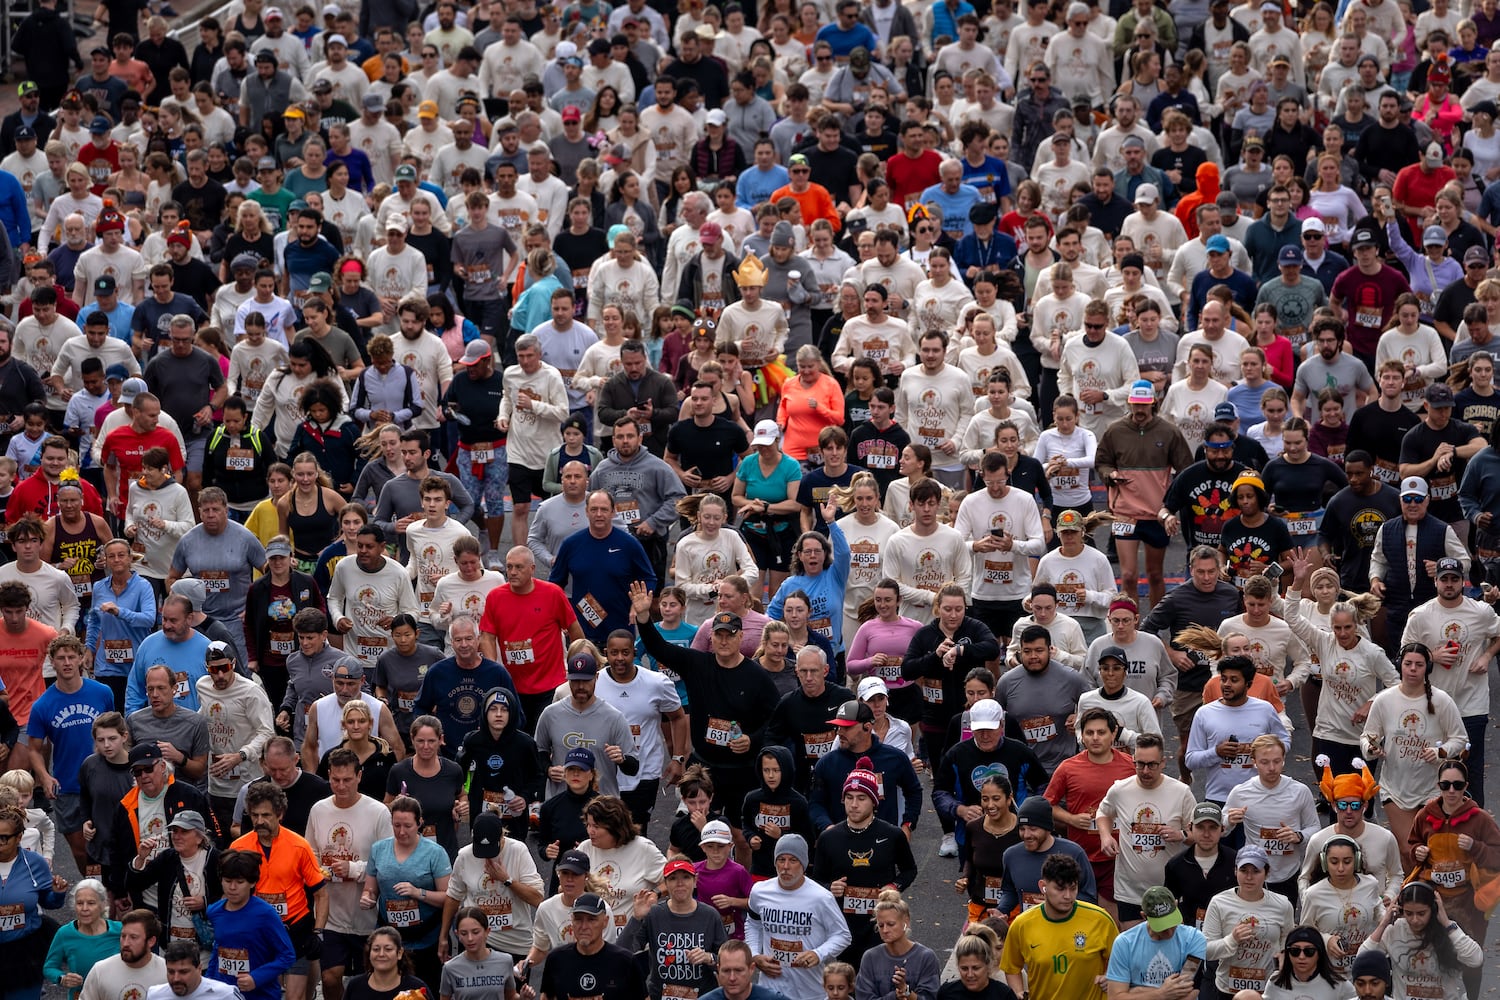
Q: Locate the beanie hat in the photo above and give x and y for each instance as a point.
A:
(863, 779)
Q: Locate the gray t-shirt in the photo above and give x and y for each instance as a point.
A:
(1037, 707)
(339, 345)
(563, 727)
(1346, 374)
(483, 253)
(184, 386)
(226, 563)
(1294, 307)
(401, 676)
(667, 938)
(187, 731)
(466, 979)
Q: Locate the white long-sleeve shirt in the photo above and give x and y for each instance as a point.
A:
(1378, 849)
(698, 564)
(1351, 677)
(1001, 576)
(534, 432)
(1475, 627)
(866, 564)
(367, 599)
(1109, 366)
(936, 408)
(1271, 646)
(783, 923)
(1344, 917)
(1085, 583)
(1245, 965)
(1268, 809)
(1131, 709)
(1416, 970)
(1071, 489)
(1067, 640)
(1403, 727)
(921, 565)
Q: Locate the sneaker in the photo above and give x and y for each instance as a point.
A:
(949, 847)
(494, 560)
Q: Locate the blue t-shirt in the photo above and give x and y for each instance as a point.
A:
(844, 42)
(772, 487)
(1246, 402)
(304, 262)
(119, 319)
(1136, 960)
(184, 659)
(955, 206)
(425, 865)
(990, 178)
(755, 185)
(67, 722)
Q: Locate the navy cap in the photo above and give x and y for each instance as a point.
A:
(580, 757)
(1290, 256)
(582, 667)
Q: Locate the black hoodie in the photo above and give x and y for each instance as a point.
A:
(784, 805)
(492, 765)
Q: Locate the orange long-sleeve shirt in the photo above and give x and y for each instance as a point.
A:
(816, 203)
(801, 422)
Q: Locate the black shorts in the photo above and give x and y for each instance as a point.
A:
(1148, 533)
(524, 483)
(344, 951)
(771, 550)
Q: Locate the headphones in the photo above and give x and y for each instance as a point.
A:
(1342, 839)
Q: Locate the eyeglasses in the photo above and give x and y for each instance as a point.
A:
(1453, 786)
(1348, 805)
(1302, 951)
(1147, 765)
(1119, 620)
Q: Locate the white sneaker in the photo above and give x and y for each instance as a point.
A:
(494, 560)
(949, 847)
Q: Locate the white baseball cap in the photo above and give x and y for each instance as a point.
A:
(766, 432)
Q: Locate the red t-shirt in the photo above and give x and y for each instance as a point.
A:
(125, 446)
(1078, 785)
(21, 658)
(528, 629)
(909, 177)
(1368, 302)
(1417, 187)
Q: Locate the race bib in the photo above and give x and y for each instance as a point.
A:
(1273, 845)
(1303, 523)
(1442, 488)
(277, 901)
(993, 885)
(785, 950)
(519, 653)
(403, 913)
(482, 454)
(1449, 874)
(1122, 527)
(822, 626)
(860, 900)
(591, 610)
(12, 917)
(779, 816)
(1245, 978)
(819, 744)
(718, 732)
(181, 686)
(630, 512)
(889, 672)
(371, 646)
(215, 581)
(1147, 839)
(932, 690)
(234, 961)
(118, 651)
(406, 701)
(998, 573)
(240, 460)
(1038, 729)
(283, 646)
(498, 915)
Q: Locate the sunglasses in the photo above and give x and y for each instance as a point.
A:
(1453, 786)
(1312, 236)
(1348, 805)
(219, 668)
(1302, 951)
(141, 769)
(1412, 499)
(1093, 326)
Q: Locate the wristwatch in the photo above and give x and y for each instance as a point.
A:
(506, 883)
(680, 758)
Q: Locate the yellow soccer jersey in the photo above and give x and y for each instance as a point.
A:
(1061, 958)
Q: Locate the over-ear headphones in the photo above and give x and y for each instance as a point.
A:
(1347, 841)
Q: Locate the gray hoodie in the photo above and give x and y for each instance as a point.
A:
(644, 480)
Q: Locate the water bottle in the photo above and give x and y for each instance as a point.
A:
(735, 732)
(506, 808)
